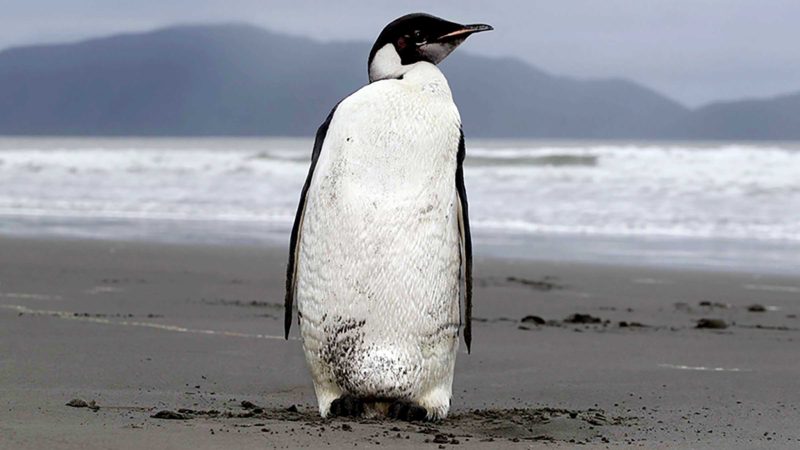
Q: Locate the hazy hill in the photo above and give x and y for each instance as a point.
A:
(243, 80)
(222, 80)
(773, 118)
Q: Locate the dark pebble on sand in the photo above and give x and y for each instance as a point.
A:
(80, 403)
(247, 405)
(346, 427)
(582, 318)
(708, 304)
(757, 308)
(441, 439)
(170, 415)
(533, 319)
(712, 324)
(292, 409)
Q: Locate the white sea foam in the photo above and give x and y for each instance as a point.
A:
(703, 368)
(749, 192)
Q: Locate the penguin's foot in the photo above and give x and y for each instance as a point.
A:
(405, 410)
(346, 406)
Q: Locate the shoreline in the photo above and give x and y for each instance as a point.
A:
(732, 255)
(144, 327)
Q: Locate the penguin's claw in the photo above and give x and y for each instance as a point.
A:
(346, 406)
(407, 411)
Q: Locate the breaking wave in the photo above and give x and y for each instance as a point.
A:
(684, 190)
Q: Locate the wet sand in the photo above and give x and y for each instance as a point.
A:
(563, 354)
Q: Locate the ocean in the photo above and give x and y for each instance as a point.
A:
(728, 206)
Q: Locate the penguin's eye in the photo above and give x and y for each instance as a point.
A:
(418, 37)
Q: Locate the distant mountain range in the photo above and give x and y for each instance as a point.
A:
(242, 80)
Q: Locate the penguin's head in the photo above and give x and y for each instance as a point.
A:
(414, 38)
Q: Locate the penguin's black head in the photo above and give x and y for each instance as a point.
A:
(414, 38)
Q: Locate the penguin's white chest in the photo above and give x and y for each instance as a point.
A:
(379, 257)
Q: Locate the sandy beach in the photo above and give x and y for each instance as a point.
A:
(563, 354)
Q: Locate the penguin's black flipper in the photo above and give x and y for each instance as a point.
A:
(294, 242)
(466, 241)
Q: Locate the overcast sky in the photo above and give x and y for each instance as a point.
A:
(695, 51)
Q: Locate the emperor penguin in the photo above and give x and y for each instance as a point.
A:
(380, 257)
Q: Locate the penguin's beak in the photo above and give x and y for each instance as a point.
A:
(464, 31)
(437, 49)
